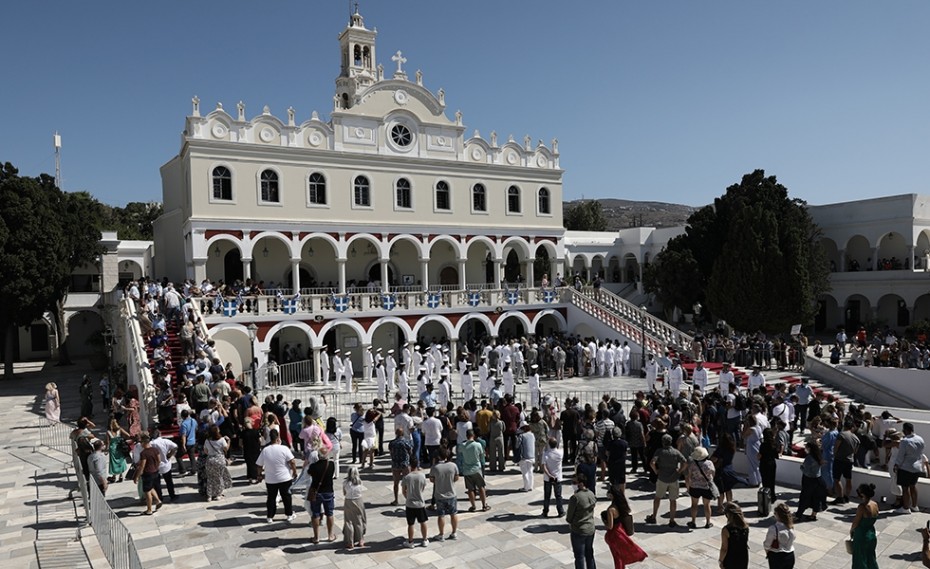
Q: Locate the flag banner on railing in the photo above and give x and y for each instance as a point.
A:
(217, 303)
(388, 301)
(279, 296)
(432, 300)
(512, 296)
(239, 298)
(548, 296)
(289, 306)
(341, 303)
(474, 298)
(230, 308)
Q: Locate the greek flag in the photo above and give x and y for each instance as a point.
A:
(279, 296)
(289, 306)
(432, 300)
(230, 307)
(217, 303)
(474, 298)
(512, 296)
(548, 296)
(340, 303)
(388, 301)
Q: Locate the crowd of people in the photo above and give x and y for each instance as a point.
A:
(680, 433)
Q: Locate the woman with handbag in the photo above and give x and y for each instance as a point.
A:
(779, 540)
(813, 491)
(320, 496)
(118, 449)
(217, 472)
(700, 481)
(623, 549)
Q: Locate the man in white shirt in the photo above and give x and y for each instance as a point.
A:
(166, 450)
(601, 359)
(338, 367)
(652, 371)
(403, 422)
(324, 364)
(390, 366)
(483, 385)
(699, 377)
(726, 379)
(552, 477)
(625, 359)
(432, 435)
(280, 469)
(348, 372)
(609, 359)
(756, 379)
(674, 378)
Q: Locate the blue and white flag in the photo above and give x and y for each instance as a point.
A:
(474, 298)
(217, 303)
(289, 306)
(340, 303)
(512, 296)
(548, 296)
(230, 308)
(432, 300)
(279, 296)
(388, 301)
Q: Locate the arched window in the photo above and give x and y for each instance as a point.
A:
(316, 186)
(362, 191)
(402, 191)
(358, 55)
(479, 198)
(269, 182)
(222, 183)
(513, 199)
(443, 199)
(544, 207)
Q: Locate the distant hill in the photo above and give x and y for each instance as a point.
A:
(622, 214)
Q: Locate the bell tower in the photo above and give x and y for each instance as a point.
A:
(357, 49)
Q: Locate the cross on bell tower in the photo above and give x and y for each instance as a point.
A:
(358, 69)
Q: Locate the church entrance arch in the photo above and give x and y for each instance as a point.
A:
(449, 276)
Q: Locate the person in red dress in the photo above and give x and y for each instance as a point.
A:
(622, 547)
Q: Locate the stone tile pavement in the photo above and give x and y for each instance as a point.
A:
(232, 533)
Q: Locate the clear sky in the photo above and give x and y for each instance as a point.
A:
(666, 100)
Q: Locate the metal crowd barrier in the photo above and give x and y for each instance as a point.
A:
(115, 540)
(56, 436)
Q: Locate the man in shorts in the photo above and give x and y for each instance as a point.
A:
(472, 455)
(908, 465)
(844, 451)
(444, 475)
(400, 449)
(413, 485)
(668, 464)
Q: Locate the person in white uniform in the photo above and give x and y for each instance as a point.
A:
(468, 387)
(601, 359)
(534, 385)
(610, 361)
(726, 379)
(324, 365)
(347, 371)
(380, 378)
(507, 376)
(699, 377)
(390, 366)
(443, 394)
(626, 359)
(756, 379)
(370, 357)
(338, 367)
(402, 386)
(674, 378)
(652, 371)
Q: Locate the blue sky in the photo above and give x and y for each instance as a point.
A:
(666, 100)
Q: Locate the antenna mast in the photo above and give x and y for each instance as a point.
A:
(57, 140)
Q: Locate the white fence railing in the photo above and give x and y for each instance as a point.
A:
(137, 362)
(355, 302)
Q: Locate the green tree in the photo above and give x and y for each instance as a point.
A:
(30, 241)
(753, 258)
(133, 222)
(585, 215)
(81, 217)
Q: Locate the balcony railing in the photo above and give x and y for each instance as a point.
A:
(327, 305)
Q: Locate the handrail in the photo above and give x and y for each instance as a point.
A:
(623, 308)
(137, 363)
(632, 330)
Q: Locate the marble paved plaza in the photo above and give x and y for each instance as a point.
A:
(233, 533)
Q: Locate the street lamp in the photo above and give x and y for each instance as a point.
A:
(109, 338)
(253, 334)
(642, 340)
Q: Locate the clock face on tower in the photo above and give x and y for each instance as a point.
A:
(401, 135)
